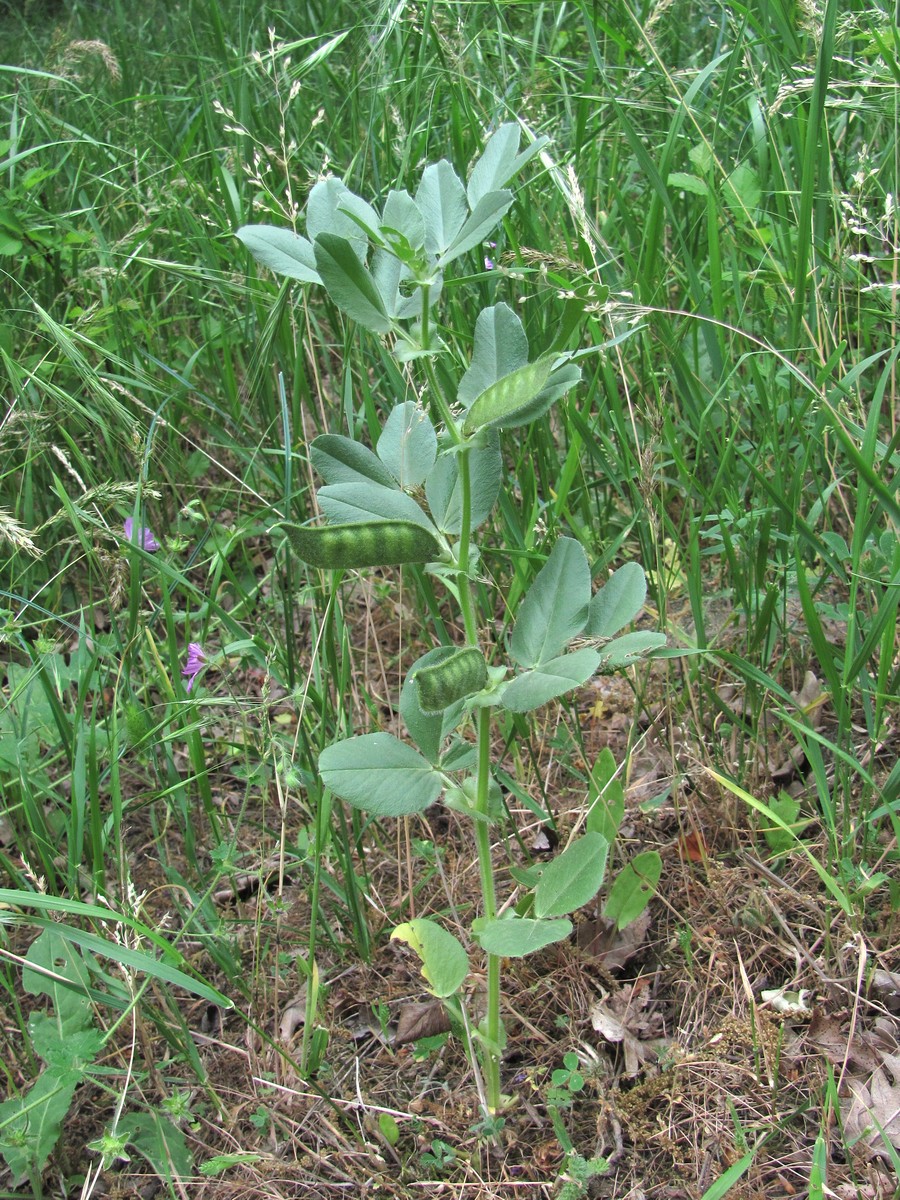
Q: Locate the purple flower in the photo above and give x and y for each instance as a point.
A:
(488, 263)
(146, 539)
(196, 661)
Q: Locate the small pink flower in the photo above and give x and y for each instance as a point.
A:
(146, 540)
(196, 661)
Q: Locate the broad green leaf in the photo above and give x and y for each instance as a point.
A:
(347, 502)
(403, 217)
(30, 1125)
(328, 210)
(408, 444)
(634, 888)
(555, 607)
(514, 937)
(486, 215)
(618, 602)
(282, 251)
(339, 459)
(62, 974)
(538, 686)
(679, 181)
(630, 648)
(349, 284)
(74, 1051)
(443, 491)
(445, 963)
(500, 161)
(573, 878)
(501, 347)
(787, 809)
(741, 191)
(158, 1139)
(606, 797)
(428, 730)
(441, 199)
(504, 401)
(380, 774)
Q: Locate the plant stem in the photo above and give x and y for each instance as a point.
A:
(492, 1027)
(482, 802)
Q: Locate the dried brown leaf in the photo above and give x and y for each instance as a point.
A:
(886, 988)
(810, 699)
(293, 1016)
(872, 1116)
(420, 1021)
(612, 1029)
(613, 948)
(826, 1034)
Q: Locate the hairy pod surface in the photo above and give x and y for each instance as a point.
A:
(460, 675)
(363, 544)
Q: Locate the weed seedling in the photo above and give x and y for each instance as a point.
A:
(439, 1159)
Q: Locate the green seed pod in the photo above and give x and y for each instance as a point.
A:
(363, 544)
(460, 675)
(504, 402)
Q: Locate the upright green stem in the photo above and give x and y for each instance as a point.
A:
(463, 584)
(493, 1028)
(493, 1031)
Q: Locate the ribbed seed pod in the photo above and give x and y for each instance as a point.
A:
(363, 544)
(460, 675)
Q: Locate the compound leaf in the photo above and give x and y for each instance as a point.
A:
(573, 878)
(282, 251)
(380, 774)
(618, 602)
(445, 963)
(555, 607)
(554, 678)
(349, 284)
(514, 937)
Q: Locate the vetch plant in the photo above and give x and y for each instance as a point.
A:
(419, 497)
